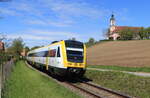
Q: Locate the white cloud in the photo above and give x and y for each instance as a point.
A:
(52, 12)
(59, 13)
(27, 37)
(37, 22)
(54, 34)
(9, 12)
(74, 9)
(45, 23)
(43, 35)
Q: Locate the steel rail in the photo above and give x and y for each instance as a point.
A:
(105, 89)
(108, 90)
(93, 94)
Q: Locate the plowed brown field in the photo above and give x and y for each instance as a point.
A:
(120, 53)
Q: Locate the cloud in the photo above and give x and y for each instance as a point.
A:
(9, 12)
(36, 34)
(27, 37)
(53, 34)
(37, 22)
(42, 37)
(55, 13)
(46, 23)
(58, 13)
(74, 9)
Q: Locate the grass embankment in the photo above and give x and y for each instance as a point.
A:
(27, 83)
(120, 68)
(126, 83)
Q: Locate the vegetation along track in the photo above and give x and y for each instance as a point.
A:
(87, 89)
(96, 91)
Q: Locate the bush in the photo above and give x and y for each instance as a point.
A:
(4, 57)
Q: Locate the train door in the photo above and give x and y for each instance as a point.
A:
(33, 60)
(47, 59)
(51, 57)
(58, 57)
(54, 58)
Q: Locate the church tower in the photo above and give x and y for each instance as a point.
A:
(112, 20)
(112, 24)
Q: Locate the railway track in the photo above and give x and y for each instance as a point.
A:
(86, 93)
(97, 91)
(87, 89)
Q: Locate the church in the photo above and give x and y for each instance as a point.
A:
(114, 29)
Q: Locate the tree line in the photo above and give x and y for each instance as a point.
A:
(131, 34)
(13, 48)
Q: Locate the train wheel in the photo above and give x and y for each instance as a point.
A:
(41, 67)
(51, 71)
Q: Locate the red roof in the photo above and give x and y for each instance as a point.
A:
(119, 28)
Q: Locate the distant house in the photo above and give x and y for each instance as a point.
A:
(23, 53)
(2, 48)
(114, 30)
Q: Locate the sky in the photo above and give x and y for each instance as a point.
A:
(39, 22)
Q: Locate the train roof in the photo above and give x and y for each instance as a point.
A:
(72, 41)
(56, 42)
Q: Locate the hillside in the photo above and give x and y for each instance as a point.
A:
(121, 53)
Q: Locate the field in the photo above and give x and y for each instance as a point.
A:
(27, 83)
(134, 53)
(126, 83)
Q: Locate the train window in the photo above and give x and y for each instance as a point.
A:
(73, 44)
(39, 54)
(58, 52)
(31, 54)
(52, 53)
(70, 52)
(75, 56)
(45, 53)
(42, 54)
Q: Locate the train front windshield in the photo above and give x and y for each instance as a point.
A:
(74, 50)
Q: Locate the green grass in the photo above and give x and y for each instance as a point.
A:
(129, 84)
(119, 68)
(27, 83)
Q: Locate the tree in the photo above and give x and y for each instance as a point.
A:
(147, 33)
(73, 38)
(35, 47)
(142, 33)
(91, 41)
(126, 34)
(27, 49)
(17, 46)
(106, 33)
